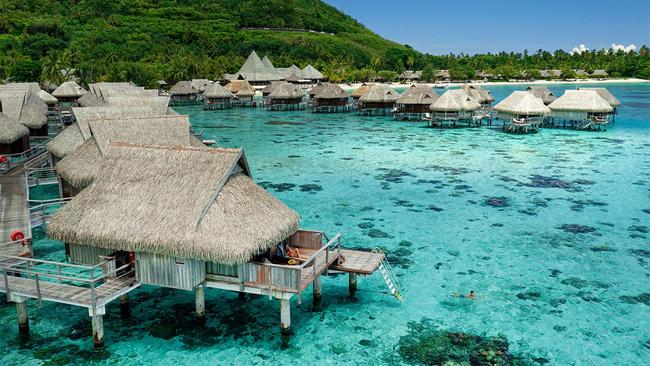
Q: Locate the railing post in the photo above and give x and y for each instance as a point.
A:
(58, 271)
(38, 288)
(7, 290)
(92, 289)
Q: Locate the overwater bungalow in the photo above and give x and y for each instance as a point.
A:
(608, 96)
(483, 96)
(68, 93)
(183, 93)
(49, 100)
(380, 99)
(317, 89)
(202, 223)
(311, 73)
(582, 109)
(256, 72)
(285, 97)
(542, 93)
(243, 92)
(361, 90)
(14, 137)
(522, 112)
(217, 97)
(414, 103)
(453, 107)
(269, 88)
(330, 99)
(78, 169)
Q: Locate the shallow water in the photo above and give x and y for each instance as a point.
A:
(551, 230)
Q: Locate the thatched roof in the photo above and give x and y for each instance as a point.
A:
(310, 72)
(47, 97)
(479, 94)
(268, 64)
(183, 87)
(361, 90)
(217, 91)
(293, 78)
(159, 104)
(66, 141)
(600, 73)
(411, 75)
(83, 115)
(609, 97)
(522, 103)
(285, 72)
(90, 100)
(80, 166)
(284, 90)
(69, 89)
(10, 129)
(24, 107)
(581, 101)
(455, 100)
(201, 84)
(240, 88)
(543, 93)
(418, 94)
(380, 93)
(331, 91)
(271, 87)
(318, 88)
(181, 202)
(255, 70)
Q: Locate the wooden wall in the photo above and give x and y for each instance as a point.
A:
(87, 255)
(184, 274)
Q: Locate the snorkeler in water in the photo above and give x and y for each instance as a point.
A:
(471, 295)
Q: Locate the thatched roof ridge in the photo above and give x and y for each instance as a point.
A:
(201, 84)
(66, 141)
(543, 93)
(522, 103)
(47, 97)
(271, 87)
(217, 91)
(254, 69)
(69, 89)
(284, 90)
(83, 115)
(455, 100)
(379, 93)
(241, 88)
(33, 113)
(10, 129)
(331, 91)
(311, 73)
(318, 87)
(361, 90)
(581, 101)
(157, 200)
(183, 87)
(418, 94)
(478, 93)
(31, 87)
(285, 72)
(607, 95)
(90, 100)
(268, 64)
(158, 104)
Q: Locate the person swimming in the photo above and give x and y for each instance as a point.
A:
(471, 295)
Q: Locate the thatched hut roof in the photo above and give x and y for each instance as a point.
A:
(66, 141)
(331, 91)
(609, 97)
(479, 94)
(31, 87)
(180, 202)
(90, 100)
(285, 72)
(361, 90)
(455, 100)
(83, 115)
(581, 101)
(268, 64)
(271, 87)
(159, 104)
(201, 84)
(522, 103)
(183, 87)
(600, 73)
(80, 166)
(254, 69)
(284, 90)
(24, 107)
(217, 91)
(10, 129)
(418, 94)
(47, 97)
(380, 93)
(311, 73)
(292, 78)
(543, 93)
(318, 88)
(69, 89)
(240, 88)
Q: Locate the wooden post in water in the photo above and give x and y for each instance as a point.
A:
(285, 321)
(199, 295)
(23, 317)
(125, 306)
(352, 284)
(97, 322)
(318, 297)
(242, 296)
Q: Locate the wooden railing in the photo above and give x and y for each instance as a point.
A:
(41, 211)
(14, 160)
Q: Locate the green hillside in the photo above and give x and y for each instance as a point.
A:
(145, 41)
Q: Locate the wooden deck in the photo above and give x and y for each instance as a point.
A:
(321, 262)
(357, 261)
(14, 213)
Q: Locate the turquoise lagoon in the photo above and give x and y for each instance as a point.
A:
(551, 231)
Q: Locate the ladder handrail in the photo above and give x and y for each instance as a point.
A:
(390, 274)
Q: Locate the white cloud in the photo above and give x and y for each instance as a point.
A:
(619, 47)
(579, 49)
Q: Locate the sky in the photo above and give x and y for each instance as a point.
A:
(476, 26)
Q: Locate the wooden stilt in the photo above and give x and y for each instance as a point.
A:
(98, 330)
(125, 306)
(23, 317)
(285, 321)
(199, 297)
(352, 284)
(318, 297)
(242, 296)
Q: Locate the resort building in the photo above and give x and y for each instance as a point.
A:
(243, 92)
(550, 74)
(201, 84)
(599, 74)
(453, 107)
(443, 75)
(582, 109)
(522, 112)
(49, 100)
(542, 93)
(285, 97)
(414, 103)
(380, 99)
(14, 137)
(483, 96)
(68, 93)
(184, 93)
(256, 72)
(410, 75)
(217, 97)
(286, 72)
(329, 98)
(361, 90)
(608, 96)
(311, 73)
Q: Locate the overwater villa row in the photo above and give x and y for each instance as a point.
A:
(130, 214)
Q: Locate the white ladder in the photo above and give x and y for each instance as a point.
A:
(389, 276)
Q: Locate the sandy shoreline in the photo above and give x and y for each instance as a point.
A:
(488, 83)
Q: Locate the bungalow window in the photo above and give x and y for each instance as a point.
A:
(179, 262)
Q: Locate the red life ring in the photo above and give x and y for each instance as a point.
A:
(3, 159)
(17, 235)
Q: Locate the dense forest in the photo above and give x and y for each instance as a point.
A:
(144, 41)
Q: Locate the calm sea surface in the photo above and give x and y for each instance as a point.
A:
(551, 230)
